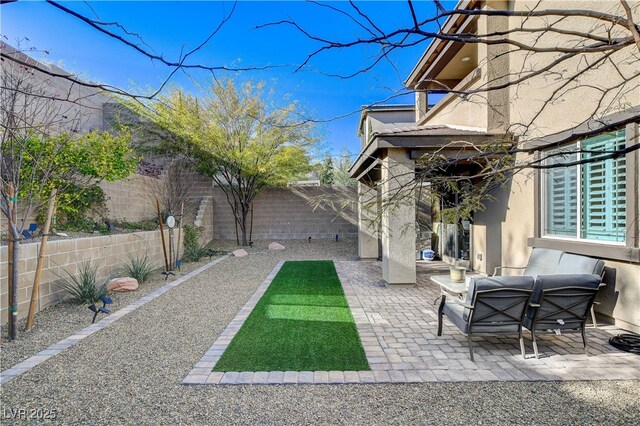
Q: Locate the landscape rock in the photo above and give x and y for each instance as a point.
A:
(123, 284)
(275, 246)
(240, 253)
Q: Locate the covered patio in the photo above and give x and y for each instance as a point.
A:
(388, 210)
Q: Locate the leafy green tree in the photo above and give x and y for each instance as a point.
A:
(40, 151)
(73, 164)
(233, 136)
(341, 172)
(326, 171)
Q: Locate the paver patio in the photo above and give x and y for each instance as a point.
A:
(398, 327)
(130, 372)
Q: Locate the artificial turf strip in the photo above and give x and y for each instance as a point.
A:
(301, 323)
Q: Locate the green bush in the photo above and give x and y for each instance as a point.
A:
(139, 267)
(192, 249)
(76, 208)
(84, 288)
(212, 252)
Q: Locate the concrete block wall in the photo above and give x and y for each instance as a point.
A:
(111, 251)
(128, 199)
(204, 220)
(200, 186)
(288, 213)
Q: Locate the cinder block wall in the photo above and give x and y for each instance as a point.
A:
(128, 199)
(288, 213)
(204, 219)
(111, 251)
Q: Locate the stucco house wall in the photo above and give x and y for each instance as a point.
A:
(512, 217)
(502, 234)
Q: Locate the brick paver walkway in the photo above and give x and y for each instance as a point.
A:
(398, 328)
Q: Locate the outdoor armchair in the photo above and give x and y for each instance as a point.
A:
(561, 302)
(493, 305)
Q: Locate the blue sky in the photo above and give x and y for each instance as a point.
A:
(169, 27)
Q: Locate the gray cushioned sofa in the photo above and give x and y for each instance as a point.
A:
(564, 290)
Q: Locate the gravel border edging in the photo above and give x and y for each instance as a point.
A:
(26, 365)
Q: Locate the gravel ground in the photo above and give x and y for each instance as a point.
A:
(59, 321)
(129, 373)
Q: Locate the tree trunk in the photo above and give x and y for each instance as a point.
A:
(14, 257)
(243, 225)
(13, 253)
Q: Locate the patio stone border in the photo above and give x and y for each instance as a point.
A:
(53, 350)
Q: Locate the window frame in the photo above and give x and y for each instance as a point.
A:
(628, 251)
(544, 211)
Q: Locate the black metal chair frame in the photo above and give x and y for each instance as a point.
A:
(485, 320)
(550, 297)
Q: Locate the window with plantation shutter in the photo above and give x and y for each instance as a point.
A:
(587, 201)
(562, 189)
(603, 189)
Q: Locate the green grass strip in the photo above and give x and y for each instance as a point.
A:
(301, 323)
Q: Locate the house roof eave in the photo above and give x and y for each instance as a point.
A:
(428, 57)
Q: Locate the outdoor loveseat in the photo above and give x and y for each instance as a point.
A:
(556, 292)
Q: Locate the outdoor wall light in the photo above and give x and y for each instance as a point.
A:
(466, 59)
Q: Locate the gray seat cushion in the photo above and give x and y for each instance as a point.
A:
(458, 314)
(576, 264)
(547, 282)
(543, 261)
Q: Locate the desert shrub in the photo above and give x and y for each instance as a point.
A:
(212, 252)
(139, 267)
(192, 249)
(85, 287)
(76, 208)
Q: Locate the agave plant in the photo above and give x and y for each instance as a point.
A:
(139, 267)
(84, 287)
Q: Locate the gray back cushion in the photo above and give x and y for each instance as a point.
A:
(489, 283)
(495, 323)
(543, 261)
(547, 282)
(576, 264)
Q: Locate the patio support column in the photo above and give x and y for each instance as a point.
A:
(398, 218)
(367, 230)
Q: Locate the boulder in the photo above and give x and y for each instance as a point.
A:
(275, 247)
(122, 284)
(240, 253)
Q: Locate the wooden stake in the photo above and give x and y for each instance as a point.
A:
(164, 245)
(180, 232)
(43, 245)
(170, 249)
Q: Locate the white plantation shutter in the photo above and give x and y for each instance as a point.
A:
(604, 190)
(562, 198)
